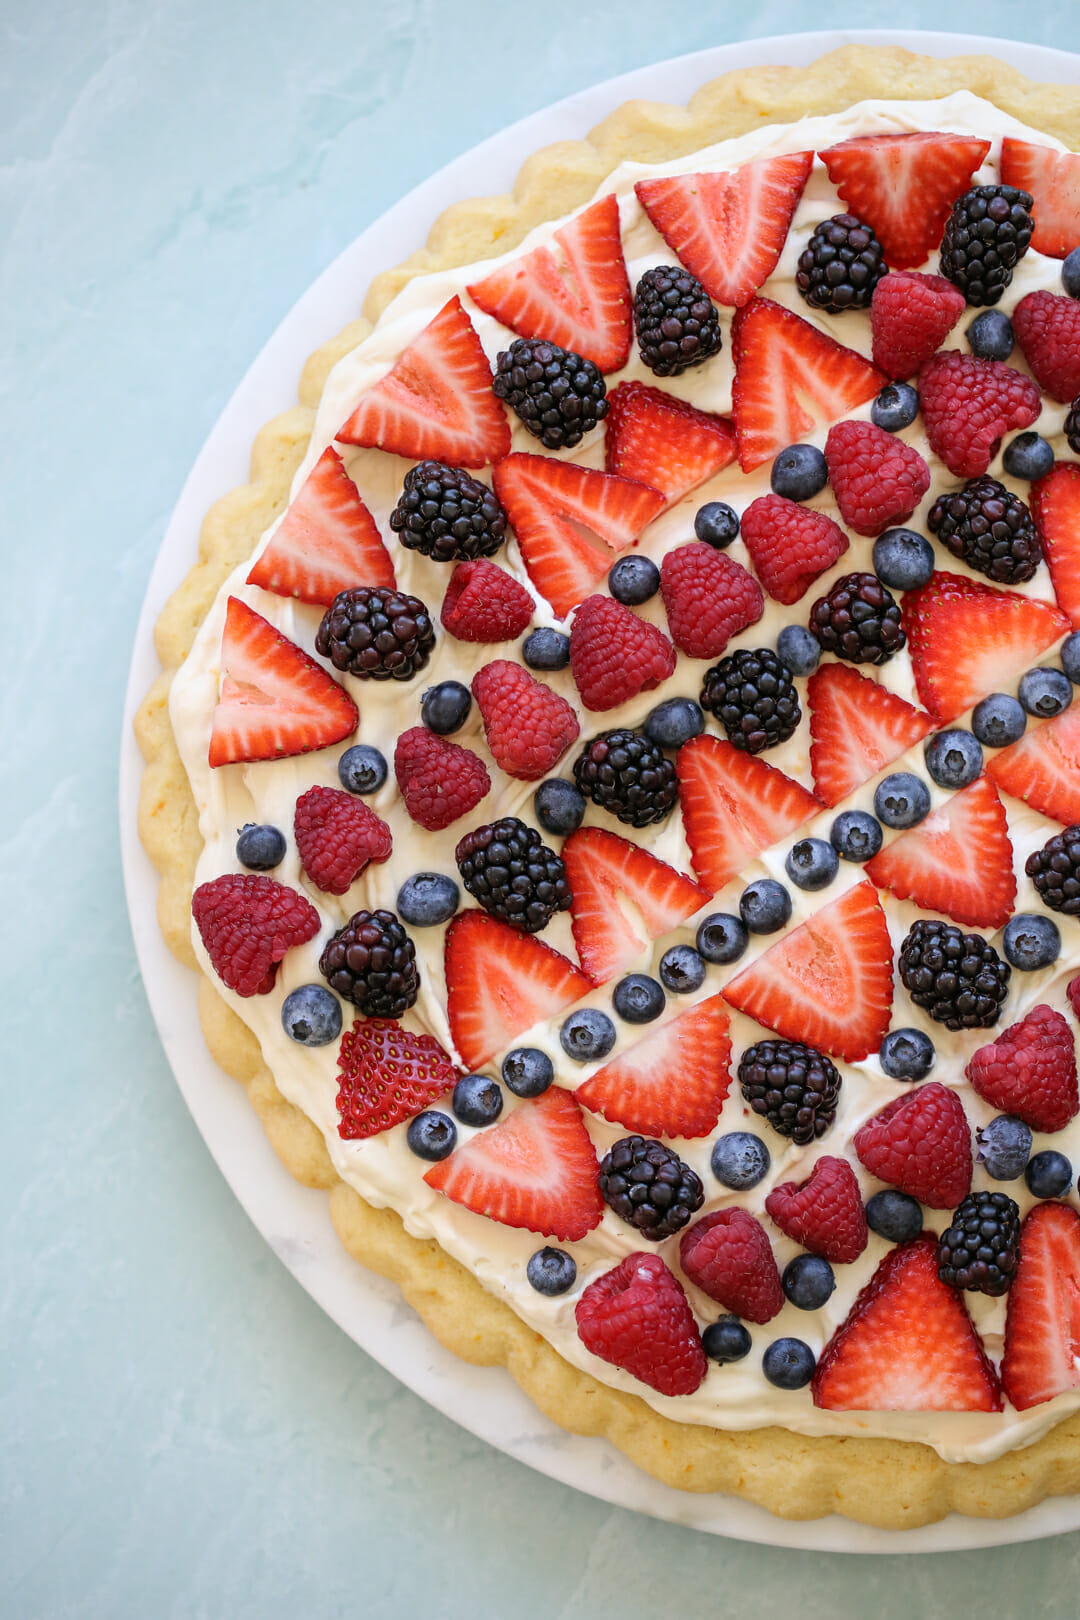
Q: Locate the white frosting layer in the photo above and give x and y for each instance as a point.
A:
(382, 1169)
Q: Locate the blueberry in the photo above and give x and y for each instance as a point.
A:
(717, 524)
(990, 335)
(1070, 273)
(432, 1135)
(551, 1271)
(1049, 1174)
(765, 906)
(559, 806)
(895, 408)
(901, 800)
(722, 938)
(260, 848)
(427, 899)
(1070, 657)
(674, 722)
(361, 769)
(726, 1340)
(1004, 1148)
(739, 1160)
(633, 580)
(998, 720)
(1028, 456)
(311, 1015)
(855, 836)
(477, 1099)
(953, 758)
(798, 650)
(788, 1363)
(906, 1054)
(1031, 941)
(587, 1034)
(1045, 692)
(638, 999)
(808, 1281)
(527, 1071)
(682, 970)
(445, 708)
(799, 472)
(895, 1216)
(812, 864)
(546, 649)
(902, 559)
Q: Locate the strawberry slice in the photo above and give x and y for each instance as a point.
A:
(326, 542)
(857, 727)
(579, 298)
(789, 379)
(672, 1083)
(1043, 768)
(549, 502)
(729, 229)
(828, 982)
(1055, 506)
(536, 1168)
(904, 186)
(958, 861)
(1042, 1328)
(387, 1075)
(500, 983)
(734, 805)
(622, 899)
(968, 639)
(435, 403)
(275, 701)
(907, 1345)
(659, 440)
(1053, 180)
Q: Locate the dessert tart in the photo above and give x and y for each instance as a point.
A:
(615, 770)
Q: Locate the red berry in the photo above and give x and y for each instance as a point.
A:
(388, 1074)
(1073, 993)
(485, 603)
(729, 1257)
(824, 1213)
(528, 726)
(790, 545)
(877, 479)
(920, 1143)
(968, 404)
(247, 923)
(708, 599)
(439, 780)
(1030, 1070)
(636, 1316)
(910, 317)
(614, 655)
(1047, 327)
(337, 835)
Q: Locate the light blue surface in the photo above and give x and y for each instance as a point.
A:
(185, 1434)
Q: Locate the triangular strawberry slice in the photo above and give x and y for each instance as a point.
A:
(904, 186)
(1042, 1328)
(1055, 506)
(657, 439)
(1043, 768)
(734, 806)
(857, 727)
(958, 861)
(828, 982)
(550, 502)
(790, 379)
(326, 542)
(729, 229)
(672, 1083)
(499, 983)
(1053, 181)
(622, 899)
(536, 1168)
(578, 297)
(435, 403)
(907, 1345)
(275, 701)
(968, 640)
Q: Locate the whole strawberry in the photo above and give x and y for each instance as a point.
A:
(439, 780)
(877, 479)
(485, 603)
(824, 1213)
(910, 317)
(921, 1143)
(388, 1074)
(1030, 1071)
(708, 598)
(636, 1316)
(968, 404)
(614, 655)
(729, 1257)
(1047, 327)
(337, 835)
(528, 726)
(247, 923)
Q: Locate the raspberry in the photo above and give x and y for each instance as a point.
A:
(528, 726)
(910, 317)
(1047, 328)
(388, 1074)
(920, 1143)
(636, 1316)
(967, 404)
(614, 655)
(708, 599)
(337, 836)
(877, 479)
(247, 923)
(1073, 993)
(790, 545)
(824, 1213)
(1030, 1071)
(439, 780)
(729, 1257)
(485, 603)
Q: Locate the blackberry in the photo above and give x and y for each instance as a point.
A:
(675, 320)
(624, 773)
(753, 696)
(987, 234)
(372, 963)
(841, 265)
(858, 620)
(649, 1187)
(1055, 872)
(448, 515)
(990, 528)
(793, 1086)
(981, 1247)
(513, 874)
(376, 633)
(958, 978)
(557, 394)
(1072, 426)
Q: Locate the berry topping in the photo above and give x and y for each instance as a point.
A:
(798, 650)
(387, 1075)
(1031, 942)
(895, 408)
(958, 861)
(990, 528)
(445, 708)
(1048, 1175)
(904, 185)
(906, 1054)
(638, 999)
(513, 874)
(753, 696)
(824, 1213)
(734, 807)
(1047, 329)
(311, 1016)
(447, 514)
(1044, 692)
(901, 800)
(1042, 1327)
(812, 864)
(247, 923)
(990, 335)
(799, 473)
(841, 265)
(376, 634)
(1055, 871)
(765, 906)
(726, 1340)
(551, 1272)
(739, 1160)
(728, 1256)
(788, 1363)
(527, 1071)
(260, 849)
(722, 938)
(858, 620)
(431, 1135)
(614, 655)
(1028, 456)
(362, 769)
(791, 1085)
(559, 806)
(674, 722)
(789, 545)
(682, 970)
(987, 234)
(894, 1216)
(484, 603)
(857, 727)
(708, 597)
(671, 1083)
(910, 318)
(967, 406)
(587, 1035)
(1043, 768)
(998, 720)
(605, 872)
(477, 1099)
(717, 524)
(1004, 1148)
(439, 780)
(855, 835)
(647, 1185)
(808, 1281)
(528, 726)
(337, 837)
(675, 321)
(980, 1248)
(636, 1317)
(372, 963)
(500, 983)
(1053, 180)
(920, 1143)
(958, 978)
(557, 395)
(625, 774)
(1055, 506)
(326, 541)
(634, 580)
(903, 560)
(546, 649)
(877, 479)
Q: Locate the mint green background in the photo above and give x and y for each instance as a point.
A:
(184, 1432)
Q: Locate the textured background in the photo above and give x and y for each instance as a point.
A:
(185, 1433)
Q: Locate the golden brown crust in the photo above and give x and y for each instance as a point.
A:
(891, 1484)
